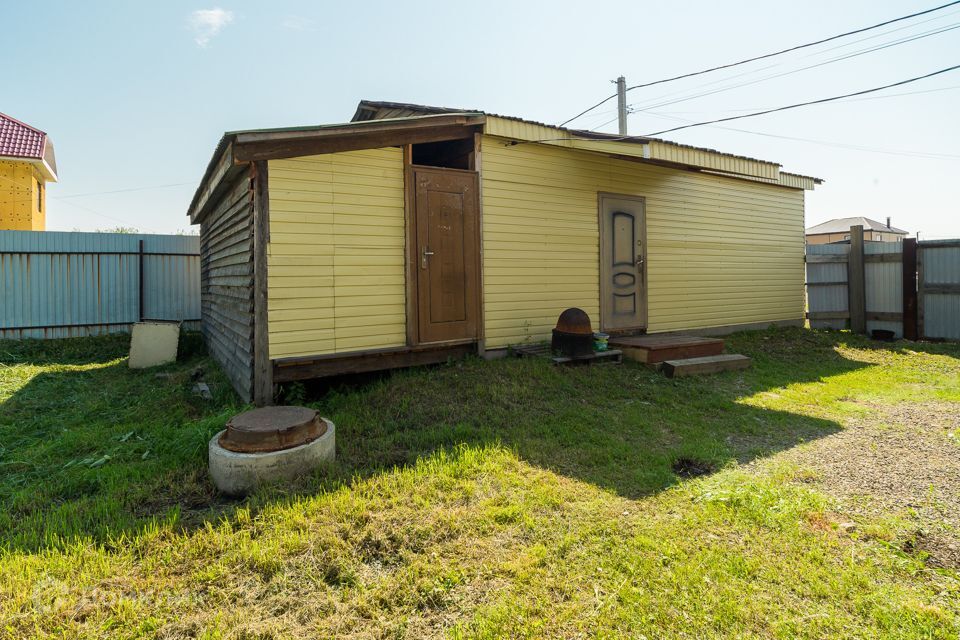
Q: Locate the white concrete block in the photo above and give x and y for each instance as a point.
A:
(153, 344)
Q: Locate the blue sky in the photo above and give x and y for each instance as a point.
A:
(136, 95)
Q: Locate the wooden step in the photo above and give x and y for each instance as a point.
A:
(709, 364)
(653, 349)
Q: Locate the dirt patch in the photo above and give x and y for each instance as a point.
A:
(691, 467)
(903, 459)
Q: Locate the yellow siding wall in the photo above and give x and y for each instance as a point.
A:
(335, 258)
(720, 251)
(22, 208)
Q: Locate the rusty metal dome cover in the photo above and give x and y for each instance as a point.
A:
(272, 429)
(574, 321)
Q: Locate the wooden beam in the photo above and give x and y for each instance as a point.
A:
(262, 369)
(856, 289)
(828, 315)
(290, 369)
(410, 247)
(221, 176)
(350, 140)
(883, 257)
(940, 288)
(942, 244)
(920, 298)
(819, 258)
(910, 289)
(477, 165)
(885, 316)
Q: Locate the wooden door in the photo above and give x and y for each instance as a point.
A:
(623, 263)
(447, 254)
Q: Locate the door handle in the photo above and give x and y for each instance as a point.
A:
(423, 257)
(640, 268)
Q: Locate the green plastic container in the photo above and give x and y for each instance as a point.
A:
(600, 341)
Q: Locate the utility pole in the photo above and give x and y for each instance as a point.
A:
(622, 104)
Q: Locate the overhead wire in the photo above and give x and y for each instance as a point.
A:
(902, 40)
(648, 104)
(765, 56)
(811, 102)
(827, 143)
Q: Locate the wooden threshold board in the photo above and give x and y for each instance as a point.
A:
(709, 364)
(653, 349)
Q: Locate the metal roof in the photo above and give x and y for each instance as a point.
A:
(397, 115)
(656, 149)
(842, 225)
(18, 140)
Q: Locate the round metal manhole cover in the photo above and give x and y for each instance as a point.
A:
(272, 429)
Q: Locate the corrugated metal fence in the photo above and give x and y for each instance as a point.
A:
(56, 285)
(910, 288)
(938, 266)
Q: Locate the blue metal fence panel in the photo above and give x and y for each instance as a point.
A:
(884, 286)
(64, 284)
(831, 298)
(938, 288)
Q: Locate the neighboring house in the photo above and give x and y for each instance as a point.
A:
(838, 230)
(414, 234)
(27, 164)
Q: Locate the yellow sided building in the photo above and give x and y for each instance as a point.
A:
(413, 234)
(27, 164)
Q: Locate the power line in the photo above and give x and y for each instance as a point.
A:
(811, 102)
(762, 57)
(103, 193)
(812, 66)
(892, 95)
(869, 49)
(74, 204)
(826, 143)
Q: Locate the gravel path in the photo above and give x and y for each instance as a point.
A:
(903, 459)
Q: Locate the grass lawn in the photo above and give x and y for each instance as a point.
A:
(482, 500)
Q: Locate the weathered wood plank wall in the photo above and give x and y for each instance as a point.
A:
(226, 284)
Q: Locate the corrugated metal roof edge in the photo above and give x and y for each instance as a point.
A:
(372, 105)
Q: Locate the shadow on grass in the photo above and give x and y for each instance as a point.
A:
(96, 451)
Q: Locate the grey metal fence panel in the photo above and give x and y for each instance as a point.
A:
(939, 288)
(831, 299)
(884, 286)
(64, 284)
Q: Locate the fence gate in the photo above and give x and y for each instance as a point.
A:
(938, 285)
(910, 288)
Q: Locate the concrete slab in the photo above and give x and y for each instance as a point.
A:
(153, 344)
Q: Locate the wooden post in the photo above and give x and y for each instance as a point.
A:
(856, 282)
(910, 289)
(921, 329)
(262, 366)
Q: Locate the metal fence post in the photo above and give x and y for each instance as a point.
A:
(140, 289)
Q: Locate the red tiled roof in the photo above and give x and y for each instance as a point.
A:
(20, 140)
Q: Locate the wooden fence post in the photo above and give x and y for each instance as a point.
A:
(921, 298)
(910, 289)
(856, 282)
